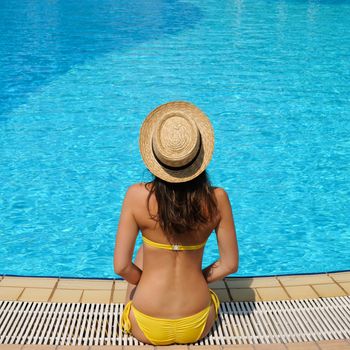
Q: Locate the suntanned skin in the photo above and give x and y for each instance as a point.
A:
(164, 283)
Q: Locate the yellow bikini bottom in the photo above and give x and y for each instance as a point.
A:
(165, 331)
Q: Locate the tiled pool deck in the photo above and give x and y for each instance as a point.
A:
(230, 289)
(286, 287)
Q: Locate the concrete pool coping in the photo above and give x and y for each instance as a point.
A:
(81, 290)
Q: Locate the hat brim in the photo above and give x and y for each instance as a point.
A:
(205, 153)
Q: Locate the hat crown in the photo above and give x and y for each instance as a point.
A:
(176, 139)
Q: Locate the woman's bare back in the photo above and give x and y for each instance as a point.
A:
(172, 284)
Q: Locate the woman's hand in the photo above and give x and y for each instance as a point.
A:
(217, 271)
(131, 273)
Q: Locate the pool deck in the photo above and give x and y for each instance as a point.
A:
(286, 287)
(73, 290)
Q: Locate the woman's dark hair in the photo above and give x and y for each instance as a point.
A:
(183, 207)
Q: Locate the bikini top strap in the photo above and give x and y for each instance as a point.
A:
(172, 246)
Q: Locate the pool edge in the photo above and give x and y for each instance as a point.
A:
(113, 290)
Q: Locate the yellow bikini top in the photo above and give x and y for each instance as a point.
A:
(172, 246)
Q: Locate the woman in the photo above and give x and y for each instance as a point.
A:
(168, 300)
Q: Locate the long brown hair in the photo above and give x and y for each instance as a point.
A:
(183, 207)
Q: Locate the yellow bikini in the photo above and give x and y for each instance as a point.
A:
(165, 331)
(172, 246)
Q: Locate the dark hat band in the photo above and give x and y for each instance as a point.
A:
(182, 167)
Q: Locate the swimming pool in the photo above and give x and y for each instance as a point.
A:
(77, 81)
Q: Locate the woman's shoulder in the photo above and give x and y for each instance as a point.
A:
(220, 195)
(219, 191)
(138, 190)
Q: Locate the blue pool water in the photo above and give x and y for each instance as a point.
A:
(77, 79)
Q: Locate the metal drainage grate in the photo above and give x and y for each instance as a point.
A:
(239, 322)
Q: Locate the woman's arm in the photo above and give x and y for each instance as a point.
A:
(227, 242)
(125, 240)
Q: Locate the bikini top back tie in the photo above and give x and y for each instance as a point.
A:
(172, 246)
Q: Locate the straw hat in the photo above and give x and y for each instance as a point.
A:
(176, 141)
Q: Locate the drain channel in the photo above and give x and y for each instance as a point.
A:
(238, 323)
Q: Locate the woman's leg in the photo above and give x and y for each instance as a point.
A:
(215, 303)
(210, 322)
(130, 291)
(131, 288)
